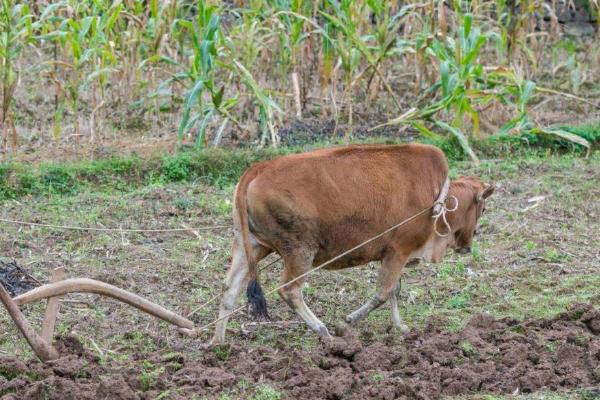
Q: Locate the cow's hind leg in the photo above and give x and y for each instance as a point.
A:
(296, 265)
(389, 274)
(396, 319)
(235, 282)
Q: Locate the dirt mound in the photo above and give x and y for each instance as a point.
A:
(489, 355)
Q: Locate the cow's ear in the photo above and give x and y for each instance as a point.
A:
(487, 192)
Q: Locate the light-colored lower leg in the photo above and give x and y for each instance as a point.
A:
(292, 295)
(294, 266)
(236, 281)
(389, 274)
(227, 304)
(397, 320)
(366, 308)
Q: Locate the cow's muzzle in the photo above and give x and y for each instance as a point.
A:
(463, 250)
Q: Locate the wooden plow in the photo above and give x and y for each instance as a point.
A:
(58, 287)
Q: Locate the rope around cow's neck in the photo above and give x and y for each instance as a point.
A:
(442, 213)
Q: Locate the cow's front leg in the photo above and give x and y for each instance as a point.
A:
(389, 274)
(396, 319)
(292, 293)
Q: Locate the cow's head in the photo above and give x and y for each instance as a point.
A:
(471, 194)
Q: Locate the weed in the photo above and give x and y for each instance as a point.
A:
(377, 377)
(216, 167)
(176, 168)
(164, 395)
(552, 255)
(597, 373)
(8, 373)
(266, 392)
(309, 290)
(58, 179)
(475, 252)
(468, 348)
(530, 246)
(551, 347)
(182, 204)
(459, 301)
(222, 352)
(590, 394)
(149, 374)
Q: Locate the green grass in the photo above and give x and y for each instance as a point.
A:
(266, 392)
(222, 168)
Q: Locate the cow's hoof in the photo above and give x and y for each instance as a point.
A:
(398, 328)
(323, 333)
(215, 341)
(351, 320)
(188, 332)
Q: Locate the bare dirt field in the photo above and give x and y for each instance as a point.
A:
(517, 318)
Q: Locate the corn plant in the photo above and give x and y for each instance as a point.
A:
(88, 34)
(265, 104)
(459, 85)
(290, 33)
(16, 24)
(518, 92)
(342, 22)
(180, 57)
(199, 74)
(464, 88)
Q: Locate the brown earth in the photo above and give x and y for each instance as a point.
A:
(489, 356)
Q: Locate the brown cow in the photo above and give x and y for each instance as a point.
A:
(311, 207)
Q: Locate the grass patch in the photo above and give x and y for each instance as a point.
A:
(222, 168)
(266, 392)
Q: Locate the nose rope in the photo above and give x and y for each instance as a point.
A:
(440, 209)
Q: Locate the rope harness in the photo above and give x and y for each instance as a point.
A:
(440, 209)
(443, 210)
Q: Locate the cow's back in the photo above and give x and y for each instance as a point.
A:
(333, 199)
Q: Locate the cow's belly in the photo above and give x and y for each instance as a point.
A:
(361, 256)
(431, 251)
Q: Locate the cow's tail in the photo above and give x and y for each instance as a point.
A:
(256, 298)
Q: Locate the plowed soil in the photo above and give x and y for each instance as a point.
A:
(488, 356)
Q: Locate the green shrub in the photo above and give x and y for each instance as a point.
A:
(57, 178)
(176, 168)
